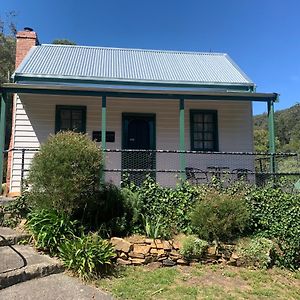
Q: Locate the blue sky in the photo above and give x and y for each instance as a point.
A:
(262, 36)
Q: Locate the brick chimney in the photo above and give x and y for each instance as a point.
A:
(25, 40)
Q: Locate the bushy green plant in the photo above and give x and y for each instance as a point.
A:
(109, 211)
(220, 215)
(89, 255)
(17, 209)
(257, 252)
(65, 173)
(50, 229)
(193, 247)
(276, 214)
(170, 205)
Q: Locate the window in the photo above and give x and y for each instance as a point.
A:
(70, 118)
(204, 130)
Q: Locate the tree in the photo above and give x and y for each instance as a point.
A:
(7, 47)
(63, 42)
(7, 61)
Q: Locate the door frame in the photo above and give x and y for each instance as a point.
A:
(140, 115)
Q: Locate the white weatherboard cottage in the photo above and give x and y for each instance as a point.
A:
(137, 99)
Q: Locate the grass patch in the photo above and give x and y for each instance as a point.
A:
(202, 282)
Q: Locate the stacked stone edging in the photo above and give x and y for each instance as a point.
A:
(146, 250)
(142, 251)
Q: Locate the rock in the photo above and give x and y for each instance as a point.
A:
(154, 265)
(234, 256)
(144, 249)
(168, 263)
(136, 255)
(175, 245)
(124, 262)
(182, 262)
(123, 255)
(148, 241)
(167, 245)
(121, 245)
(231, 262)
(162, 258)
(212, 250)
(158, 252)
(157, 244)
(137, 261)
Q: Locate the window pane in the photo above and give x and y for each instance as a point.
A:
(208, 127)
(198, 126)
(208, 145)
(65, 124)
(208, 136)
(208, 118)
(77, 125)
(198, 118)
(77, 115)
(198, 136)
(198, 145)
(65, 114)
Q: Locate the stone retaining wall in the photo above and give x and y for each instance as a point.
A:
(141, 251)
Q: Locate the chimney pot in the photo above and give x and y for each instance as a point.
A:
(28, 29)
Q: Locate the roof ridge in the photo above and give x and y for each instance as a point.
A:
(140, 49)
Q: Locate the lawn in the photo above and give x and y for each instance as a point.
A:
(202, 282)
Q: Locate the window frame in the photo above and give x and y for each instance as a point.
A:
(70, 107)
(215, 140)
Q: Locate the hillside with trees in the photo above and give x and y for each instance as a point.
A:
(287, 129)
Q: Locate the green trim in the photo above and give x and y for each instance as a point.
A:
(182, 161)
(236, 87)
(271, 127)
(2, 135)
(125, 127)
(103, 135)
(71, 107)
(193, 112)
(155, 95)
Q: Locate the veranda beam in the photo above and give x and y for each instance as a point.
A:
(103, 134)
(182, 162)
(2, 135)
(271, 127)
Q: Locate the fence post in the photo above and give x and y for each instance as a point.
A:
(103, 136)
(182, 140)
(271, 127)
(2, 136)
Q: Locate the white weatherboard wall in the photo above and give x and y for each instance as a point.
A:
(35, 120)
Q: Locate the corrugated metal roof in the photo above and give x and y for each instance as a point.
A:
(131, 65)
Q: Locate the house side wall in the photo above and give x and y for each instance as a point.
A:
(35, 120)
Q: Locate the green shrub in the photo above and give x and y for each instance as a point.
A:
(170, 205)
(193, 247)
(50, 229)
(275, 214)
(89, 256)
(220, 215)
(65, 173)
(108, 211)
(17, 209)
(257, 252)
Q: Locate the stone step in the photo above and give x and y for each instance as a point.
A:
(19, 263)
(10, 236)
